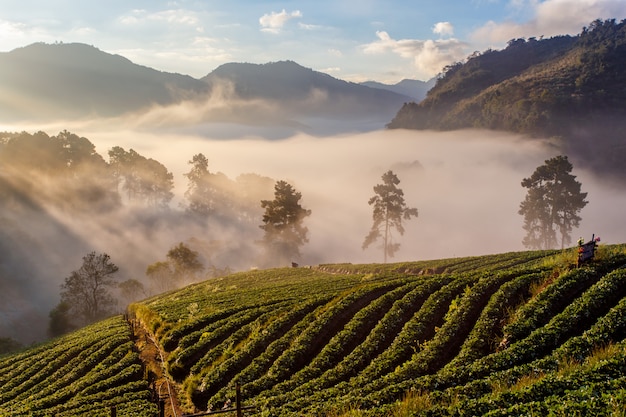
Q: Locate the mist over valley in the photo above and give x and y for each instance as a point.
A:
(257, 124)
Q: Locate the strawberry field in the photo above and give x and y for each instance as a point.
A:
(477, 335)
(85, 373)
(524, 333)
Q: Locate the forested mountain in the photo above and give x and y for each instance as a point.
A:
(59, 199)
(305, 91)
(43, 82)
(570, 87)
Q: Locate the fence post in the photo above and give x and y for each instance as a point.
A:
(113, 411)
(238, 399)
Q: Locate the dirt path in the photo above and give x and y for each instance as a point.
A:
(153, 359)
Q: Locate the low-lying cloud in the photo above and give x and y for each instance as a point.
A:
(465, 184)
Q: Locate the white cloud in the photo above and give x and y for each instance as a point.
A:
(443, 29)
(179, 17)
(13, 34)
(335, 52)
(550, 18)
(274, 22)
(429, 56)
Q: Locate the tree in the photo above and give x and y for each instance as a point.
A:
(143, 179)
(208, 193)
(283, 223)
(131, 290)
(552, 204)
(184, 262)
(86, 290)
(8, 345)
(162, 276)
(60, 322)
(389, 211)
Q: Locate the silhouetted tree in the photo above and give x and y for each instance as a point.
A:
(8, 345)
(161, 276)
(552, 204)
(283, 223)
(131, 290)
(141, 178)
(60, 322)
(185, 263)
(86, 290)
(389, 211)
(208, 193)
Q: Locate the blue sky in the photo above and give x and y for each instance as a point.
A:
(355, 40)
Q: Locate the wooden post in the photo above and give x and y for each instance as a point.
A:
(238, 400)
(113, 411)
(161, 408)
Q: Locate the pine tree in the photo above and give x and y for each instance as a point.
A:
(389, 211)
(552, 204)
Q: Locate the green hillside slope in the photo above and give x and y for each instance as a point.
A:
(573, 88)
(313, 341)
(82, 374)
(522, 333)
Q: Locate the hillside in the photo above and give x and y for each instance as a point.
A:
(303, 91)
(508, 334)
(573, 88)
(46, 82)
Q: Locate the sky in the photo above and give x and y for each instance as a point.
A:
(354, 40)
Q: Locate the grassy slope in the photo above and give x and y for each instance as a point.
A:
(509, 334)
(314, 341)
(84, 373)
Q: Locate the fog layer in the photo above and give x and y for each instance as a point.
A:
(465, 184)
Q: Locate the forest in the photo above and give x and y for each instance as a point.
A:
(46, 179)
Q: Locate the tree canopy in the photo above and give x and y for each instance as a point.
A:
(552, 204)
(389, 210)
(86, 290)
(283, 224)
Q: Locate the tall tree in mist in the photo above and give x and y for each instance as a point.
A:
(283, 223)
(161, 277)
(60, 322)
(207, 193)
(86, 290)
(142, 179)
(185, 263)
(389, 210)
(552, 204)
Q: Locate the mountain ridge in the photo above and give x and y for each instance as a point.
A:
(73, 80)
(567, 87)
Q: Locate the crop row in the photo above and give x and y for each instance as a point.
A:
(324, 324)
(193, 349)
(421, 326)
(208, 381)
(376, 342)
(90, 370)
(593, 303)
(344, 341)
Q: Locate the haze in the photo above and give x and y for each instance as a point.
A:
(465, 184)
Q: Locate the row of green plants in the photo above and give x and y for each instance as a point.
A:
(579, 355)
(84, 373)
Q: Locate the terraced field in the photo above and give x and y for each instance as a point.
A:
(502, 334)
(85, 373)
(524, 333)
